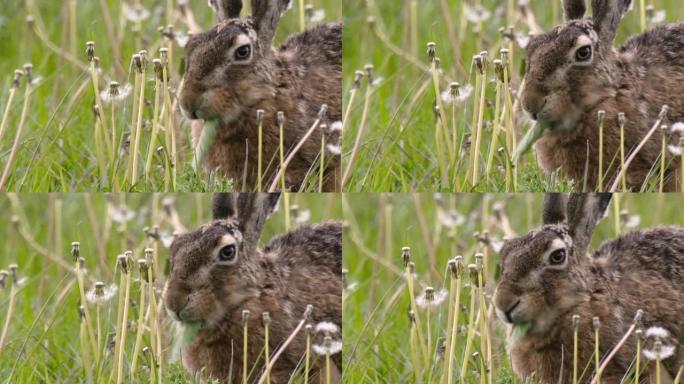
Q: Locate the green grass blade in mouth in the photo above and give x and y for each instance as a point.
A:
(185, 337)
(531, 137)
(518, 331)
(205, 142)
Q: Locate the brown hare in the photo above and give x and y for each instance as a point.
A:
(233, 70)
(574, 72)
(218, 271)
(548, 276)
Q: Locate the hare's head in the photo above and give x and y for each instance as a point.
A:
(229, 67)
(544, 273)
(215, 268)
(569, 68)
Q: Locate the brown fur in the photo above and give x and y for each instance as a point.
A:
(297, 79)
(637, 79)
(643, 270)
(294, 270)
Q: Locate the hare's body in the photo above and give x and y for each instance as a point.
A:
(548, 277)
(233, 71)
(640, 270)
(306, 73)
(637, 79)
(309, 255)
(574, 72)
(218, 272)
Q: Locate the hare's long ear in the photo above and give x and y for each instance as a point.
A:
(584, 211)
(226, 9)
(253, 210)
(607, 16)
(574, 9)
(266, 14)
(554, 208)
(223, 205)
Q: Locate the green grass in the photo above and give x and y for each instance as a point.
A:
(57, 150)
(398, 150)
(376, 325)
(43, 339)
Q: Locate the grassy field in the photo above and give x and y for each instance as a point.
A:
(402, 145)
(45, 340)
(59, 145)
(380, 344)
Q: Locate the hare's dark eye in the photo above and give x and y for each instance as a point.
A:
(583, 53)
(557, 257)
(243, 52)
(227, 253)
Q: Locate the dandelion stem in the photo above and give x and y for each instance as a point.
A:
(10, 313)
(8, 107)
(601, 117)
(360, 131)
(321, 168)
(141, 317)
(17, 139)
(155, 122)
(663, 157)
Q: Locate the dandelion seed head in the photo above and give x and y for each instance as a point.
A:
(476, 14)
(116, 92)
(336, 126)
(303, 216)
(317, 16)
(657, 331)
(661, 353)
(329, 347)
(677, 127)
(450, 218)
(431, 299)
(334, 149)
(327, 327)
(101, 293)
(135, 12)
(120, 213)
